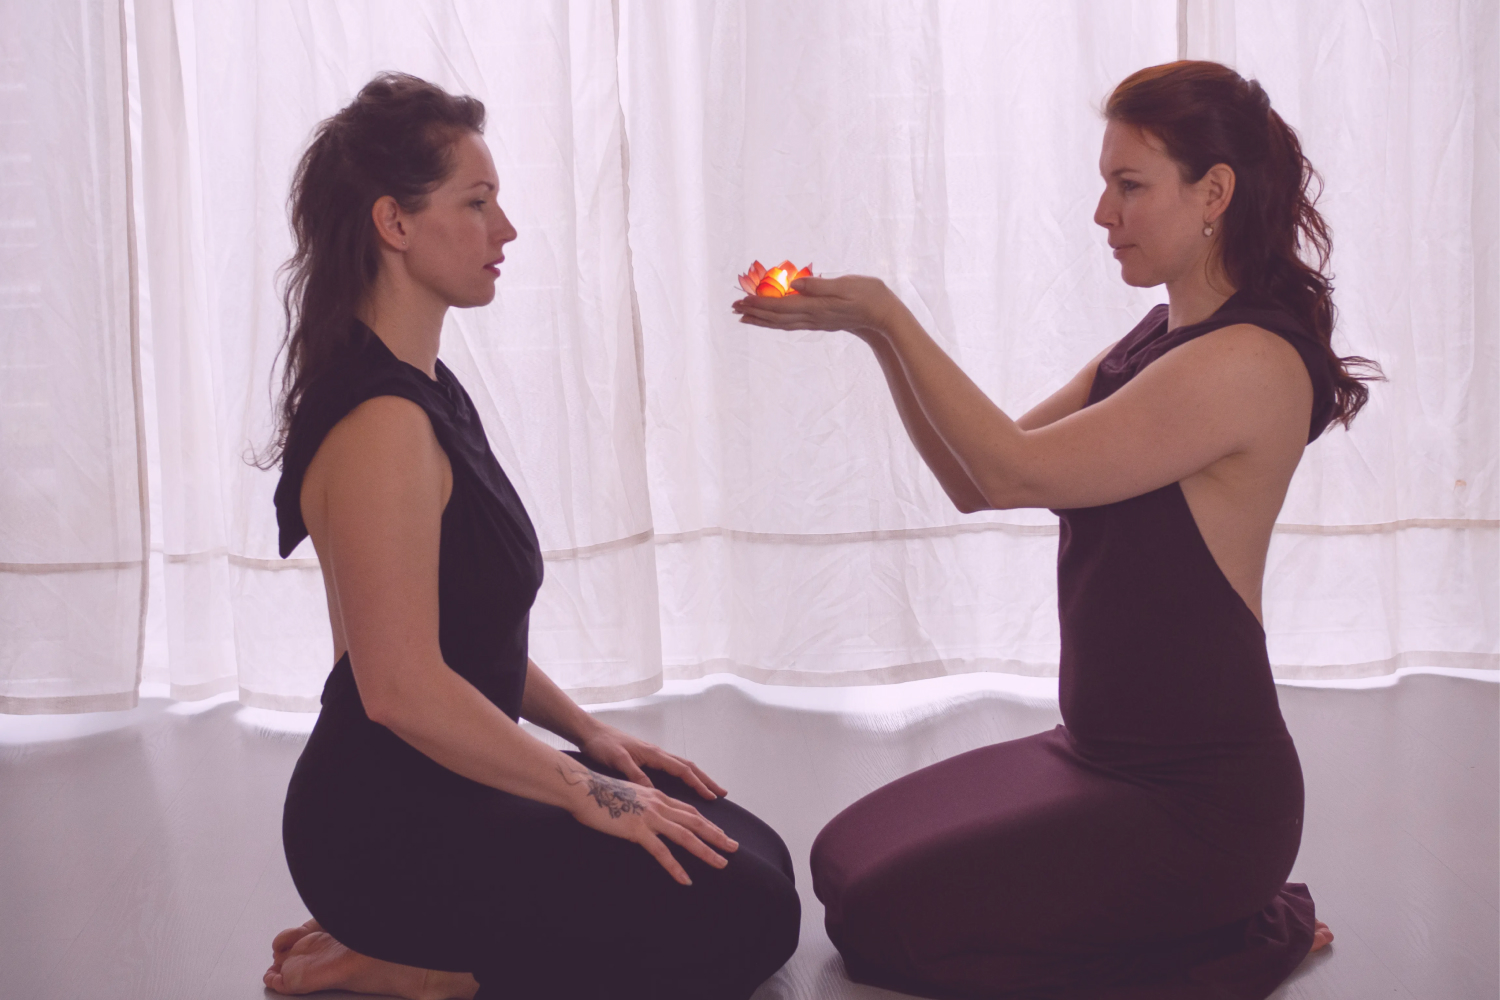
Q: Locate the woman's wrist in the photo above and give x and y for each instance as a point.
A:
(888, 316)
(584, 728)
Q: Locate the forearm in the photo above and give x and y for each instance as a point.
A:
(945, 465)
(449, 720)
(547, 705)
(985, 443)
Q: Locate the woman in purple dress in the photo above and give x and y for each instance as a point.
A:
(1142, 848)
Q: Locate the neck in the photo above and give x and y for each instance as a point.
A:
(1197, 296)
(406, 317)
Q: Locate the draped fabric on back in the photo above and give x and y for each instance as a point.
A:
(490, 566)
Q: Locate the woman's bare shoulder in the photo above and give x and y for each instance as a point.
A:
(1249, 359)
(384, 447)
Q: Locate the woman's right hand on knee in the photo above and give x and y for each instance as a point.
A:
(645, 815)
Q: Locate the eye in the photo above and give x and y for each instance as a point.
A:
(1128, 185)
(479, 203)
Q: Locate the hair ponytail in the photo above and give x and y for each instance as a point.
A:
(1205, 114)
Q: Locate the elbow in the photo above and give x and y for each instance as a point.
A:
(383, 703)
(966, 497)
(381, 711)
(1008, 493)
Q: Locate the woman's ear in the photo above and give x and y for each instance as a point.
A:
(388, 223)
(1218, 188)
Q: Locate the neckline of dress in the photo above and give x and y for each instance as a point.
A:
(438, 383)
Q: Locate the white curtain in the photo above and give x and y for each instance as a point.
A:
(712, 497)
(72, 453)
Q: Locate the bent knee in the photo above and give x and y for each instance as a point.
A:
(780, 927)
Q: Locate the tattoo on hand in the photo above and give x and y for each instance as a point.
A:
(608, 793)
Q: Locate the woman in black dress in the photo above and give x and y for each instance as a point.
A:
(442, 851)
(1141, 849)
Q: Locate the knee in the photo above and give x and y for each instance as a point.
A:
(773, 924)
(783, 923)
(767, 922)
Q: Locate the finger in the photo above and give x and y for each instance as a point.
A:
(633, 772)
(708, 782)
(685, 770)
(767, 303)
(815, 286)
(654, 847)
(685, 815)
(771, 318)
(689, 841)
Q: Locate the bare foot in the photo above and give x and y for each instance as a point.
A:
(307, 959)
(282, 943)
(1322, 936)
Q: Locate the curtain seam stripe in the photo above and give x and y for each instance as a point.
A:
(736, 534)
(132, 263)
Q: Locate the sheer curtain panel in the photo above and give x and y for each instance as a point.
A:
(713, 497)
(72, 531)
(230, 94)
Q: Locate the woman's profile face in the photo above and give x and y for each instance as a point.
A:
(455, 244)
(1155, 220)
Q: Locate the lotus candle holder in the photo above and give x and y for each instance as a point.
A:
(775, 282)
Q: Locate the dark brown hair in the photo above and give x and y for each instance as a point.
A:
(395, 138)
(1206, 114)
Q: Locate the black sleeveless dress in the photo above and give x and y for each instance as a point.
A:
(401, 859)
(1139, 850)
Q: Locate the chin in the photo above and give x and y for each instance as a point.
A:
(478, 297)
(1138, 278)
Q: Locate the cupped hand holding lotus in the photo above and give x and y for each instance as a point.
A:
(862, 305)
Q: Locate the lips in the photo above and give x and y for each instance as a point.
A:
(494, 266)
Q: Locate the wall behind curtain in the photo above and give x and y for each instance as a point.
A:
(715, 497)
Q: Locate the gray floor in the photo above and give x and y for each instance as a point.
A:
(143, 860)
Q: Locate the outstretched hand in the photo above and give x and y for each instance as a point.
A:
(861, 305)
(629, 754)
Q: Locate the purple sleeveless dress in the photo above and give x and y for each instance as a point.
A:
(1139, 850)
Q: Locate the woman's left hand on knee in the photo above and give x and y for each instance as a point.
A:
(629, 754)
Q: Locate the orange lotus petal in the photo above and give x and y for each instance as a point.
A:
(769, 289)
(806, 272)
(747, 284)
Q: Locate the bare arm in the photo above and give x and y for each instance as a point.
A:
(945, 465)
(1065, 401)
(373, 499)
(1207, 400)
(950, 471)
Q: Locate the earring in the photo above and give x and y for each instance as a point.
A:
(403, 242)
(1208, 230)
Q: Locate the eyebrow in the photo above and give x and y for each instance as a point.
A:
(1122, 171)
(485, 184)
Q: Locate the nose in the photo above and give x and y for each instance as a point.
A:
(504, 232)
(1103, 212)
